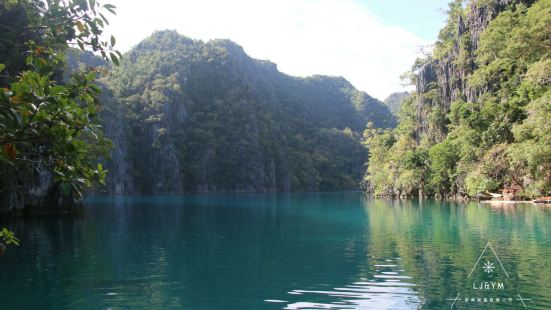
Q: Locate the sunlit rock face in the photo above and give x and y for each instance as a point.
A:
(443, 79)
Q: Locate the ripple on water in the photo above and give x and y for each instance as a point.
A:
(388, 288)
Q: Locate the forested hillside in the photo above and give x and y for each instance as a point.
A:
(190, 116)
(394, 101)
(480, 118)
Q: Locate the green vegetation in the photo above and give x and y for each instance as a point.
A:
(190, 116)
(482, 123)
(184, 115)
(49, 134)
(8, 237)
(394, 100)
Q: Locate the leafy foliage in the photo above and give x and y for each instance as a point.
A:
(48, 122)
(394, 100)
(502, 137)
(207, 117)
(8, 237)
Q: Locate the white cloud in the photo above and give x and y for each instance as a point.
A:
(303, 37)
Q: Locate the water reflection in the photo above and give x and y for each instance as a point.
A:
(336, 250)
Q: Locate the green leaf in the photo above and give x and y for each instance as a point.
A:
(114, 59)
(84, 5)
(8, 237)
(90, 76)
(111, 8)
(113, 41)
(2, 67)
(56, 90)
(104, 19)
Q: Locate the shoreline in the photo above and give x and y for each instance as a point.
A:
(514, 202)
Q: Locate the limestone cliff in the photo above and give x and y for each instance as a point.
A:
(443, 78)
(190, 116)
(478, 121)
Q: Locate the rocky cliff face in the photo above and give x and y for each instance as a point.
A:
(476, 122)
(113, 116)
(189, 116)
(443, 79)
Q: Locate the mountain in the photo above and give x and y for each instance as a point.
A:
(479, 118)
(193, 116)
(394, 100)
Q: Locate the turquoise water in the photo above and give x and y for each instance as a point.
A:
(296, 251)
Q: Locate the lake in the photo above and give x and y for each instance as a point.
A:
(280, 251)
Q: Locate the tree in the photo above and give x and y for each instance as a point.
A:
(481, 122)
(48, 122)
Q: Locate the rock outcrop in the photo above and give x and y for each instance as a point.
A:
(443, 79)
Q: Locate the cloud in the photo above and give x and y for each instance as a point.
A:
(303, 37)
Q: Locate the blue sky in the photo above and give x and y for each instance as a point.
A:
(368, 42)
(422, 17)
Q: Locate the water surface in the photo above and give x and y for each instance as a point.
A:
(279, 251)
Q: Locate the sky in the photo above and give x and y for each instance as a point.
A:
(368, 42)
